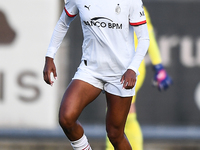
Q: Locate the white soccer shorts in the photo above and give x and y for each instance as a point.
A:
(109, 84)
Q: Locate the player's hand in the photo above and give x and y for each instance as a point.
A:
(128, 79)
(48, 69)
(161, 79)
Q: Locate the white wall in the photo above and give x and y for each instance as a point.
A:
(26, 101)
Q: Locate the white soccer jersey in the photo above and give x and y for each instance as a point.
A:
(108, 45)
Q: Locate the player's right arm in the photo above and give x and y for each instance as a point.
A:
(58, 35)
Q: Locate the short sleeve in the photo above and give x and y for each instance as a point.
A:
(71, 8)
(137, 15)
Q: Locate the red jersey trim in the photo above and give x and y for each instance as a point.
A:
(68, 14)
(138, 23)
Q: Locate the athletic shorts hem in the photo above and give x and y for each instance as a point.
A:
(76, 78)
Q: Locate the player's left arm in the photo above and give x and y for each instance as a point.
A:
(143, 44)
(138, 21)
(161, 79)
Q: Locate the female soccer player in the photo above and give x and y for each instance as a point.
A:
(109, 63)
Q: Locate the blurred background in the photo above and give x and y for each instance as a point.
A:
(28, 106)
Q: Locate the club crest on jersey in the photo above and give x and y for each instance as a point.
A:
(118, 9)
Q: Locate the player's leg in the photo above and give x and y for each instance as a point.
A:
(77, 96)
(133, 132)
(132, 127)
(117, 111)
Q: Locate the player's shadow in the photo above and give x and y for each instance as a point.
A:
(7, 34)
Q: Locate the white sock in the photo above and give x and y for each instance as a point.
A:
(81, 144)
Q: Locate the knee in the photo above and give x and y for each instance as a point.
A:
(66, 120)
(114, 134)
